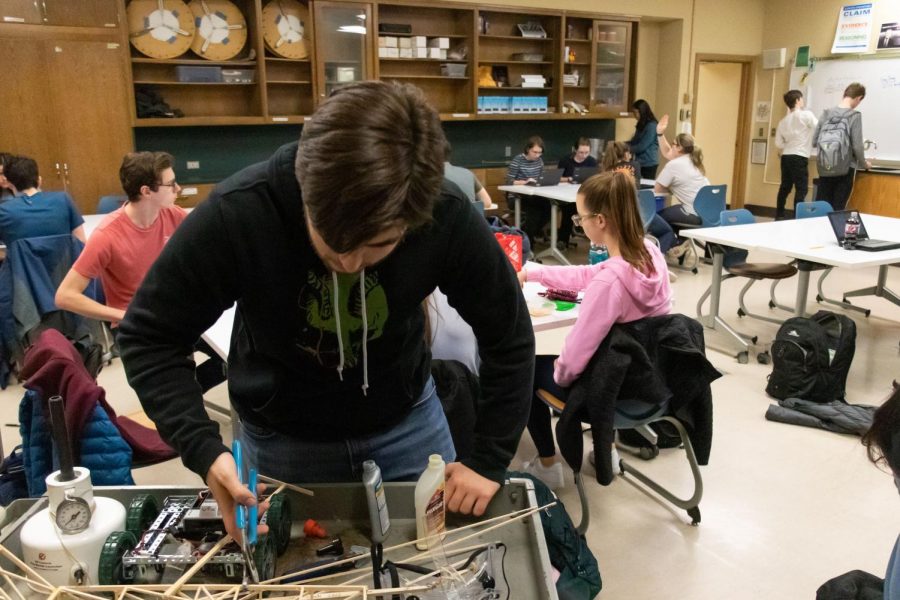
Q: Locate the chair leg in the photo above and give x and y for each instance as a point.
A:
(743, 311)
(691, 504)
(585, 509)
(820, 297)
(773, 302)
(719, 320)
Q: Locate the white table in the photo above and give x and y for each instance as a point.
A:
(809, 240)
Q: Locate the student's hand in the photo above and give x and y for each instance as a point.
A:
(466, 491)
(523, 277)
(662, 124)
(227, 490)
(868, 165)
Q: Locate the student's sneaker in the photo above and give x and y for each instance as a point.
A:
(676, 252)
(552, 476)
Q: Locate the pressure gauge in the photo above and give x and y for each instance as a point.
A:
(73, 515)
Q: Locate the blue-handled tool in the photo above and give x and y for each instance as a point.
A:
(246, 519)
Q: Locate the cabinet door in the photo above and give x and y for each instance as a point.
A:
(88, 81)
(35, 136)
(343, 42)
(83, 13)
(612, 69)
(20, 11)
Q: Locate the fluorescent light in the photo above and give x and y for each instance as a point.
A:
(360, 29)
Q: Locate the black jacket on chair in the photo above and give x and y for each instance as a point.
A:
(654, 359)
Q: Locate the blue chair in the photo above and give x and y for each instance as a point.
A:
(647, 206)
(807, 210)
(708, 204)
(107, 204)
(736, 265)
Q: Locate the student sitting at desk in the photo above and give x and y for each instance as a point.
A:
(329, 249)
(631, 284)
(580, 157)
(466, 180)
(526, 169)
(125, 244)
(35, 213)
(683, 176)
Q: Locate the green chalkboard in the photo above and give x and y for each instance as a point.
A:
(221, 151)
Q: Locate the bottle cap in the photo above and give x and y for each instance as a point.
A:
(369, 465)
(435, 460)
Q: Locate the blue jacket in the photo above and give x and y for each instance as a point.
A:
(29, 277)
(645, 145)
(103, 451)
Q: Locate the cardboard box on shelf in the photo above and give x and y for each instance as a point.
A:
(439, 42)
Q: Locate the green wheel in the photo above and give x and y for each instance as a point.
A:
(141, 513)
(264, 557)
(279, 520)
(109, 571)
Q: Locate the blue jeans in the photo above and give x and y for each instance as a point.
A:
(401, 451)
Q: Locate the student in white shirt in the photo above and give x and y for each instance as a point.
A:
(683, 176)
(793, 138)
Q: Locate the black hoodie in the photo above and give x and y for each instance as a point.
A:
(249, 243)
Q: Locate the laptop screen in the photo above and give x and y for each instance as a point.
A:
(838, 220)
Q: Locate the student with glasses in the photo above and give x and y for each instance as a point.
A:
(125, 244)
(633, 283)
(34, 212)
(329, 249)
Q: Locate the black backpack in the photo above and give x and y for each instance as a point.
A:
(811, 357)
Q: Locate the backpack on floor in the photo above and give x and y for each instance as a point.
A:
(811, 357)
(833, 154)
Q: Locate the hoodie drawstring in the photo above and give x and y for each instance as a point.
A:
(337, 321)
(365, 340)
(365, 324)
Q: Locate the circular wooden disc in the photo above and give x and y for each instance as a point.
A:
(284, 28)
(162, 34)
(221, 29)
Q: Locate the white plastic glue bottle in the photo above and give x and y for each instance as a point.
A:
(430, 503)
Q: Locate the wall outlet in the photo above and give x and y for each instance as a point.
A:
(508, 151)
(193, 164)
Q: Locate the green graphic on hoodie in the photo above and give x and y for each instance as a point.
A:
(319, 334)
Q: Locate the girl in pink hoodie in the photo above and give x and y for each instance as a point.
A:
(632, 284)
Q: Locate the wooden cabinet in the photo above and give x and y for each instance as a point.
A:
(67, 13)
(511, 60)
(613, 51)
(447, 82)
(74, 113)
(343, 45)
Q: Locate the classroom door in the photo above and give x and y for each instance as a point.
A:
(717, 118)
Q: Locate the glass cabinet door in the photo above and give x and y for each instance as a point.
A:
(343, 32)
(612, 42)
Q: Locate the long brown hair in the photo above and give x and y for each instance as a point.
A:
(612, 194)
(614, 153)
(689, 145)
(882, 440)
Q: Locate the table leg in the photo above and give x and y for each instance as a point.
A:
(802, 291)
(518, 212)
(713, 320)
(553, 250)
(880, 289)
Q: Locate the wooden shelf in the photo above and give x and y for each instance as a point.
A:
(201, 121)
(288, 82)
(611, 43)
(428, 35)
(578, 40)
(384, 76)
(208, 83)
(199, 62)
(514, 89)
(610, 66)
(287, 60)
(578, 64)
(514, 62)
(425, 60)
(487, 36)
(576, 87)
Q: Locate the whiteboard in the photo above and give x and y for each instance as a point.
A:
(881, 107)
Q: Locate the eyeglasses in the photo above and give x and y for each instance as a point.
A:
(579, 219)
(172, 184)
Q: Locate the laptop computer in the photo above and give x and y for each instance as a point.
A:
(548, 177)
(838, 220)
(582, 173)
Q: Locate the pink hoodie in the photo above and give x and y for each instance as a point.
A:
(614, 292)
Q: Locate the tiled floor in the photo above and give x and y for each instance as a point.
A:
(784, 508)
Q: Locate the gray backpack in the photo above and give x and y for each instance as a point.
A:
(833, 148)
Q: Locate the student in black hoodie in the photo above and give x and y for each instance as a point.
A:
(328, 365)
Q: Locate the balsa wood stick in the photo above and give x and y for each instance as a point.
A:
(197, 566)
(282, 484)
(25, 568)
